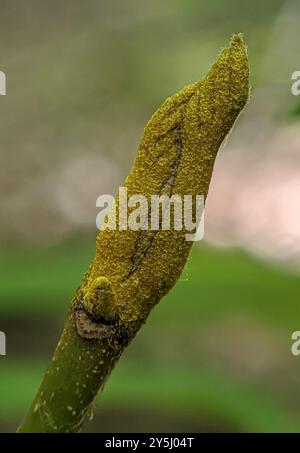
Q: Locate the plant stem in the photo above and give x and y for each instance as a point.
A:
(133, 270)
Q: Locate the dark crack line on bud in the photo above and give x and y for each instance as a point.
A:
(145, 239)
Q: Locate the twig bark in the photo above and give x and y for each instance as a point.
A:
(133, 270)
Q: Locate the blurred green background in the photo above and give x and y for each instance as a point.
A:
(83, 78)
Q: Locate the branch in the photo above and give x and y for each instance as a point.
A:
(133, 270)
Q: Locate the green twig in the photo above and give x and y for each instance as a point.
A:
(133, 270)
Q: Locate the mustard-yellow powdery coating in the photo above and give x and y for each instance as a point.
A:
(99, 299)
(176, 156)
